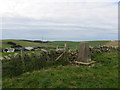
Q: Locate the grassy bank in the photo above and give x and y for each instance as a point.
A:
(103, 75)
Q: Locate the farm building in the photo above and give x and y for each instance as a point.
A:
(9, 50)
(28, 48)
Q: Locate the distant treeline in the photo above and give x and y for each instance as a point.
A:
(36, 41)
(14, 45)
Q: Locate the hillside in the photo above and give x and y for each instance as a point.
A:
(71, 44)
(22, 43)
(104, 74)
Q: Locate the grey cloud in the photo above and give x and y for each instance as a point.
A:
(91, 23)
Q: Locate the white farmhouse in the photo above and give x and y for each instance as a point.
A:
(10, 49)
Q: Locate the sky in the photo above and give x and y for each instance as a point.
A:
(59, 20)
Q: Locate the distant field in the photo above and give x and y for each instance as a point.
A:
(71, 45)
(22, 43)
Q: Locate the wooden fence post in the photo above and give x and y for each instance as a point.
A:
(84, 53)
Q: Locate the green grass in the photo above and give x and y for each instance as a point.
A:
(22, 43)
(0, 54)
(97, 43)
(19, 52)
(74, 45)
(71, 44)
(103, 75)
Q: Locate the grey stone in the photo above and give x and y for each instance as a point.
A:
(84, 53)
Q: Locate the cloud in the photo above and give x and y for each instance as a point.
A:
(81, 20)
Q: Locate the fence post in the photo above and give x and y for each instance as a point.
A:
(84, 53)
(57, 48)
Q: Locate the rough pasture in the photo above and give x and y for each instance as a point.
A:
(103, 74)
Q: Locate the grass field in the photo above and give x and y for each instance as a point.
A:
(104, 74)
(22, 43)
(71, 44)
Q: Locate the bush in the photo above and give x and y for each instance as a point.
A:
(11, 43)
(12, 67)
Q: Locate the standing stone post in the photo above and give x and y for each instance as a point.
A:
(84, 53)
(65, 47)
